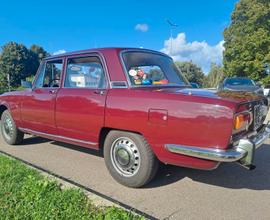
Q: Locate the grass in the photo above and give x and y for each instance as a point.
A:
(26, 194)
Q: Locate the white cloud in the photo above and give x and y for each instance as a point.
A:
(59, 52)
(141, 27)
(200, 53)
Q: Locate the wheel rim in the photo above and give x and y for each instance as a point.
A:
(125, 157)
(8, 127)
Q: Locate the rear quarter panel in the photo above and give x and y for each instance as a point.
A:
(191, 121)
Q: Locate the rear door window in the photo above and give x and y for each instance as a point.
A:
(85, 72)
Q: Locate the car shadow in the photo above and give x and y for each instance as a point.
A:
(94, 152)
(32, 140)
(228, 175)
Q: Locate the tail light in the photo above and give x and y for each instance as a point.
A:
(242, 121)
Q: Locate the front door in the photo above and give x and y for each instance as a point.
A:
(80, 104)
(38, 106)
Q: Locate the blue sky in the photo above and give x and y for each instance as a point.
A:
(74, 25)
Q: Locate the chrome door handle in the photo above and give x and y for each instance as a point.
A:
(52, 91)
(99, 92)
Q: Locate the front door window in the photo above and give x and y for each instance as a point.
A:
(50, 74)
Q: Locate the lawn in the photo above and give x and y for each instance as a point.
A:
(26, 194)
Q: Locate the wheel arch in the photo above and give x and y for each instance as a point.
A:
(105, 131)
(2, 109)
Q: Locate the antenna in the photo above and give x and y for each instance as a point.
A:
(172, 25)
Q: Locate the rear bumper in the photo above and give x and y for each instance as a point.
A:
(243, 152)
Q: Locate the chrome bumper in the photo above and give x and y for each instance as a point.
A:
(243, 152)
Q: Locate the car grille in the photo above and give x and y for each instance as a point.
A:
(259, 115)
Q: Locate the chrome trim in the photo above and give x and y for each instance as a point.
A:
(26, 130)
(243, 152)
(119, 86)
(206, 153)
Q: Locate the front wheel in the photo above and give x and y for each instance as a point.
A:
(129, 158)
(11, 134)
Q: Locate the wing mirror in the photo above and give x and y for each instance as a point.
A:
(26, 84)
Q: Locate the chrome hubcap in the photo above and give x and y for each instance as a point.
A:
(8, 127)
(125, 156)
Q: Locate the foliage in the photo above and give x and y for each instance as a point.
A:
(25, 194)
(191, 71)
(18, 62)
(14, 61)
(214, 77)
(38, 54)
(247, 40)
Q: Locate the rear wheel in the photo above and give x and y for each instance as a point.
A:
(129, 158)
(11, 134)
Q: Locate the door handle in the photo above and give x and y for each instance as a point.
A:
(52, 91)
(99, 92)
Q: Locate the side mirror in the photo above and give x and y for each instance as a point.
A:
(26, 84)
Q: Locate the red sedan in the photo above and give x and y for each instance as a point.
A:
(135, 105)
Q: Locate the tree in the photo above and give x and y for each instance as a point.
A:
(247, 40)
(214, 77)
(37, 55)
(191, 71)
(14, 62)
(18, 62)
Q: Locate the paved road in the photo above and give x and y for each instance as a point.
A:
(230, 192)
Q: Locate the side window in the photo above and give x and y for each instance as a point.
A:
(85, 72)
(50, 74)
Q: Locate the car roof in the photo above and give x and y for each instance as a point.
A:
(100, 50)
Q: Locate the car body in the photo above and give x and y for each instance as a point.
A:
(240, 84)
(135, 105)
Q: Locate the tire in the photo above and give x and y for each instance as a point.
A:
(11, 134)
(129, 158)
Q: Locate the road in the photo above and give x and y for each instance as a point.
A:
(229, 192)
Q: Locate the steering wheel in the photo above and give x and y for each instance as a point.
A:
(54, 82)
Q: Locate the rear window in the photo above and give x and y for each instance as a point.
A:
(239, 82)
(147, 69)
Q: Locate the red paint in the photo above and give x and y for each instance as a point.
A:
(163, 115)
(80, 113)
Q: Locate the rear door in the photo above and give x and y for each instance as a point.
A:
(80, 103)
(37, 108)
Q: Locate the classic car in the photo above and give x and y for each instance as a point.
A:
(136, 107)
(241, 84)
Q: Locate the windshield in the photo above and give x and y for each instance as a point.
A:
(239, 82)
(147, 69)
